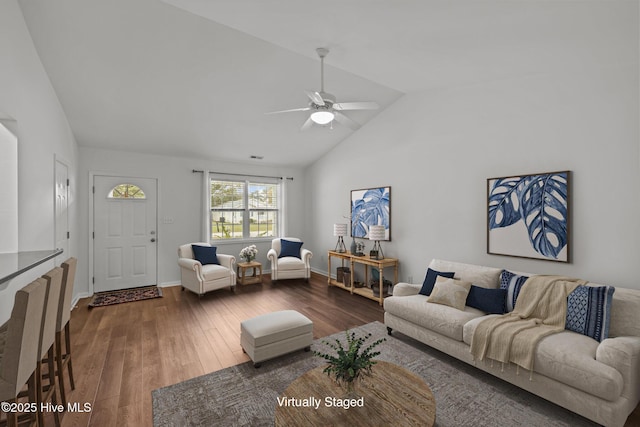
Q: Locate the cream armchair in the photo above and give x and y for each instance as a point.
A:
(202, 278)
(289, 267)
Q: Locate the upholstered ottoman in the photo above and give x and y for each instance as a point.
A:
(274, 334)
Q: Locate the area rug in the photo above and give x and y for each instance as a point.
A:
(125, 295)
(244, 396)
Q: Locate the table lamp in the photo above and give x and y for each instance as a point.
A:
(377, 233)
(340, 230)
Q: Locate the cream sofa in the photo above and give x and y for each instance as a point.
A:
(598, 380)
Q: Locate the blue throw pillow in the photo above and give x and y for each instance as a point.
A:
(205, 254)
(430, 280)
(589, 311)
(512, 283)
(490, 301)
(289, 248)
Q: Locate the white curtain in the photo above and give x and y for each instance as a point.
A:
(283, 207)
(206, 208)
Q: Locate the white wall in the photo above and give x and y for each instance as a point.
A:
(8, 189)
(437, 148)
(179, 198)
(26, 95)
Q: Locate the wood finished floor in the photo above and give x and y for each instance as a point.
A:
(123, 352)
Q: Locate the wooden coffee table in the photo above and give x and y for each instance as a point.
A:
(391, 396)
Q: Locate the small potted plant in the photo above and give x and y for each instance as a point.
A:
(352, 362)
(249, 253)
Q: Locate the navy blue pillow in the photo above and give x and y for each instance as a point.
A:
(289, 248)
(430, 280)
(205, 254)
(490, 301)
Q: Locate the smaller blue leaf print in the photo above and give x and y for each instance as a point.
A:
(504, 203)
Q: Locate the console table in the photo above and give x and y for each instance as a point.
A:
(367, 261)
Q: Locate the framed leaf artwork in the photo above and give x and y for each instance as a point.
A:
(370, 206)
(528, 216)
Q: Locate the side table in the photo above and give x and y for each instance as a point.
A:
(256, 276)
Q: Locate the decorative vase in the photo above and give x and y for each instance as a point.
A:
(353, 247)
(349, 389)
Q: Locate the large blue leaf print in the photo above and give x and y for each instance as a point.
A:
(543, 207)
(504, 203)
(371, 209)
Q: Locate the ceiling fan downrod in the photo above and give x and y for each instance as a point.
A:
(322, 52)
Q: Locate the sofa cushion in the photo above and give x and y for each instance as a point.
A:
(513, 283)
(569, 358)
(214, 271)
(488, 300)
(430, 280)
(289, 248)
(486, 277)
(205, 254)
(625, 313)
(290, 263)
(450, 292)
(439, 318)
(589, 311)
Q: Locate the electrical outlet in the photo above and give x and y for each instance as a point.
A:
(410, 279)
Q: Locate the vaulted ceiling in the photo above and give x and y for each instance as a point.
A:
(195, 77)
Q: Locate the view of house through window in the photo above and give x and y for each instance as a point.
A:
(244, 209)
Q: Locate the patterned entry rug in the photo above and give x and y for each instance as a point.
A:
(125, 295)
(465, 396)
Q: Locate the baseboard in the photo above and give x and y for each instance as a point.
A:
(169, 284)
(74, 301)
(318, 271)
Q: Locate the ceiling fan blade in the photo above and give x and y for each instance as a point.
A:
(315, 97)
(307, 124)
(288, 111)
(344, 120)
(355, 106)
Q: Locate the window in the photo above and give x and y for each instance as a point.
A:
(244, 209)
(126, 191)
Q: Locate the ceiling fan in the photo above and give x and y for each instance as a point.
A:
(323, 106)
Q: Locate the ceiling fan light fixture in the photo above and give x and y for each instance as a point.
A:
(322, 117)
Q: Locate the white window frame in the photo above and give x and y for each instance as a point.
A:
(246, 224)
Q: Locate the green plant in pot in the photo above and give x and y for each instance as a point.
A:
(351, 362)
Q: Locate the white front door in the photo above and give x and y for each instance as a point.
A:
(124, 239)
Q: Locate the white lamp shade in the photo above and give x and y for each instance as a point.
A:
(322, 117)
(376, 232)
(339, 229)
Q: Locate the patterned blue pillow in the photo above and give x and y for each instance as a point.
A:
(512, 283)
(589, 311)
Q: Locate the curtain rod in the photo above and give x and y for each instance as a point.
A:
(290, 178)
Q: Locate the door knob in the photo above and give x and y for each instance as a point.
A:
(153, 240)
